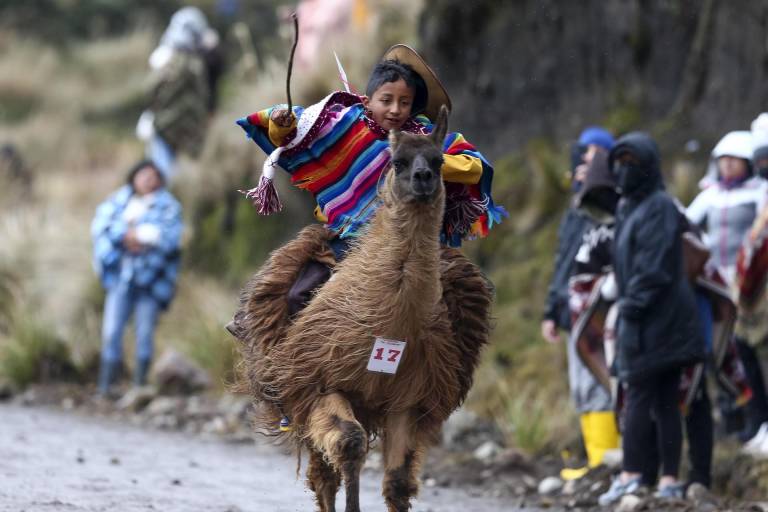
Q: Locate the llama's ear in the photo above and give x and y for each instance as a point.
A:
(394, 138)
(440, 128)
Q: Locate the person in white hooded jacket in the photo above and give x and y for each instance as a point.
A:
(726, 209)
(730, 200)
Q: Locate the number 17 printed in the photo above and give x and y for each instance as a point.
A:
(386, 355)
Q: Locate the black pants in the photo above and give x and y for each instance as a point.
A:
(653, 404)
(312, 275)
(699, 429)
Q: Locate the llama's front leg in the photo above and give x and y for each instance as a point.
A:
(403, 452)
(336, 433)
(324, 481)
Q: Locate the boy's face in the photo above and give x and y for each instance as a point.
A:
(391, 104)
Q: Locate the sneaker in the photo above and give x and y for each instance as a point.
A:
(672, 491)
(761, 451)
(751, 431)
(617, 490)
(754, 445)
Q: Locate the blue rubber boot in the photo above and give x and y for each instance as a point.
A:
(108, 372)
(141, 372)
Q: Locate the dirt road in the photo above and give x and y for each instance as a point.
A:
(53, 460)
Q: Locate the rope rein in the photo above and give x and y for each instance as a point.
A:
(290, 61)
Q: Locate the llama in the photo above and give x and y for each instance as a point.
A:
(396, 283)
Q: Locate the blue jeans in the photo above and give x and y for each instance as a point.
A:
(162, 155)
(123, 301)
(706, 317)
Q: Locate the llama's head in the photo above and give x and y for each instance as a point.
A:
(416, 162)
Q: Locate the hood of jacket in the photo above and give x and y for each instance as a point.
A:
(186, 30)
(644, 149)
(599, 188)
(738, 143)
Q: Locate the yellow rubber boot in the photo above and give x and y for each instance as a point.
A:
(600, 435)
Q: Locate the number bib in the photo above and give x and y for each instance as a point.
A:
(386, 355)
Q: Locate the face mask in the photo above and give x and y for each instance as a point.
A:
(763, 172)
(630, 177)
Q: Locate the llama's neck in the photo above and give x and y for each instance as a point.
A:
(400, 259)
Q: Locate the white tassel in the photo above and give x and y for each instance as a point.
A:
(264, 195)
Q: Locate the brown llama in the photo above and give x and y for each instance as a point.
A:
(396, 283)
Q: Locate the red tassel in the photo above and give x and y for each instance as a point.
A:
(461, 211)
(264, 197)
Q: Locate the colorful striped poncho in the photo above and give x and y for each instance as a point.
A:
(338, 153)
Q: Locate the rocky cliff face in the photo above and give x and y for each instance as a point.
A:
(527, 68)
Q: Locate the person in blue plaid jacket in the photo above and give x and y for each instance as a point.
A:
(136, 251)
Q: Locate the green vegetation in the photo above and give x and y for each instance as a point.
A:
(31, 352)
(16, 104)
(7, 301)
(212, 348)
(231, 240)
(523, 419)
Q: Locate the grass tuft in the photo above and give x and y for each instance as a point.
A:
(32, 352)
(522, 419)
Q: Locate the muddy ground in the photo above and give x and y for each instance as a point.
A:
(62, 450)
(53, 460)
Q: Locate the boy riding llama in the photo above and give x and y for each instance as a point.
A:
(368, 160)
(339, 149)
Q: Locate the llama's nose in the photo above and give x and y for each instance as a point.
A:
(422, 175)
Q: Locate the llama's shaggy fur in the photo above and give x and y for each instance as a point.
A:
(396, 283)
(263, 318)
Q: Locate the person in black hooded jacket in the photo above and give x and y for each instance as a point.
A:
(658, 330)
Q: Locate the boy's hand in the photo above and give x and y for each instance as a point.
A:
(282, 117)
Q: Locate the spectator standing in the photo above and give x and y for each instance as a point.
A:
(572, 227)
(184, 68)
(597, 199)
(658, 330)
(726, 210)
(136, 236)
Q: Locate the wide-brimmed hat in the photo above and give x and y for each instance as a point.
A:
(436, 93)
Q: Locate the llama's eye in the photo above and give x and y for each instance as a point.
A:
(437, 163)
(399, 165)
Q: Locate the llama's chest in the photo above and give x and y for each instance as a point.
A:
(425, 375)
